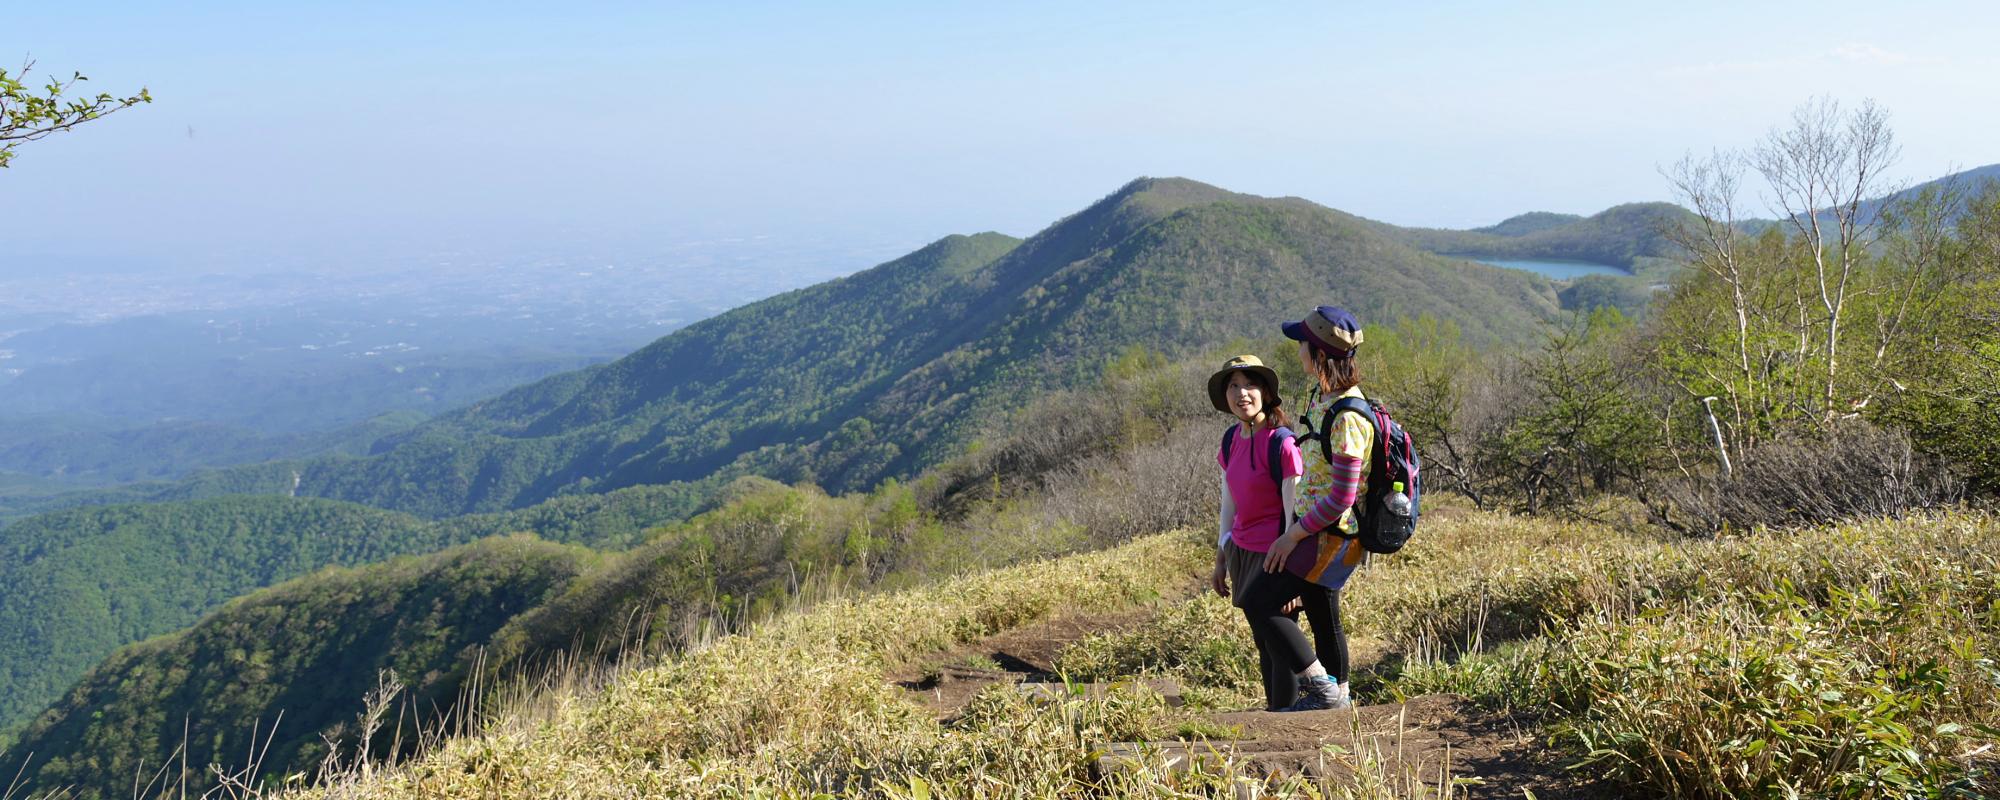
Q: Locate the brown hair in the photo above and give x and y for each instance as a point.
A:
(1274, 415)
(1336, 375)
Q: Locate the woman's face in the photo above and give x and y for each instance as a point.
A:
(1245, 397)
(1306, 358)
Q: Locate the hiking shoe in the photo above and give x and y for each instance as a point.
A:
(1319, 693)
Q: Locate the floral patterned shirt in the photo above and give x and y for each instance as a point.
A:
(1352, 436)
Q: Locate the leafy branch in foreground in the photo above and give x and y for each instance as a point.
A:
(26, 115)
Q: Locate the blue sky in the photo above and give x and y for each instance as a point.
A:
(358, 127)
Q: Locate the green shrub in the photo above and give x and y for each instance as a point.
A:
(1788, 697)
(1863, 670)
(1503, 678)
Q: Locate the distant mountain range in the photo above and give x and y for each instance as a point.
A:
(1623, 235)
(1967, 181)
(873, 375)
(1618, 236)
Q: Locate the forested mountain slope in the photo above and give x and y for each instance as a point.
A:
(305, 654)
(81, 583)
(273, 671)
(1618, 236)
(872, 375)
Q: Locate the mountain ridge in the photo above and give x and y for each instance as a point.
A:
(769, 389)
(1620, 236)
(1530, 222)
(684, 407)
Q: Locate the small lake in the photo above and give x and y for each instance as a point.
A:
(1559, 270)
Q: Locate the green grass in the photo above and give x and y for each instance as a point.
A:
(1852, 661)
(979, 661)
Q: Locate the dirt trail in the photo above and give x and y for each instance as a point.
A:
(946, 682)
(1421, 740)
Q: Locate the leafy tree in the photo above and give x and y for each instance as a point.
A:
(27, 115)
(1797, 326)
(1573, 425)
(1628, 294)
(1951, 381)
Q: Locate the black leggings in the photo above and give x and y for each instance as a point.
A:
(1282, 650)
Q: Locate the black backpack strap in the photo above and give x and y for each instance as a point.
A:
(1350, 405)
(1276, 458)
(1354, 404)
(1275, 454)
(1317, 432)
(1228, 444)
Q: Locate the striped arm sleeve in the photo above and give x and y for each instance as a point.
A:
(1345, 471)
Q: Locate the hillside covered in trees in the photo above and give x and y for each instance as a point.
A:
(83, 582)
(288, 670)
(1619, 236)
(273, 671)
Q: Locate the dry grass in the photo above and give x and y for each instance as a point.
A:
(1850, 661)
(801, 705)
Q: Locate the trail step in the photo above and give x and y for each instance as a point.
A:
(1050, 692)
(953, 673)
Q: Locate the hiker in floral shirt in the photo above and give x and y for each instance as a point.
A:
(1336, 455)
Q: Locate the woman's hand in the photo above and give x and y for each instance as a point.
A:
(1282, 548)
(1220, 579)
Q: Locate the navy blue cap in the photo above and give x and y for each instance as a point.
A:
(1329, 328)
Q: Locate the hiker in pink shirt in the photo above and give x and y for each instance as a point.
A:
(1261, 466)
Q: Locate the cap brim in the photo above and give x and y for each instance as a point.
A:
(1295, 331)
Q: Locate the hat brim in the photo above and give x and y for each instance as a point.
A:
(1218, 384)
(1295, 331)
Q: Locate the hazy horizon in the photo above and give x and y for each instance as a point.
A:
(329, 135)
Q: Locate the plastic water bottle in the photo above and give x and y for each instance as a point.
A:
(1398, 503)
